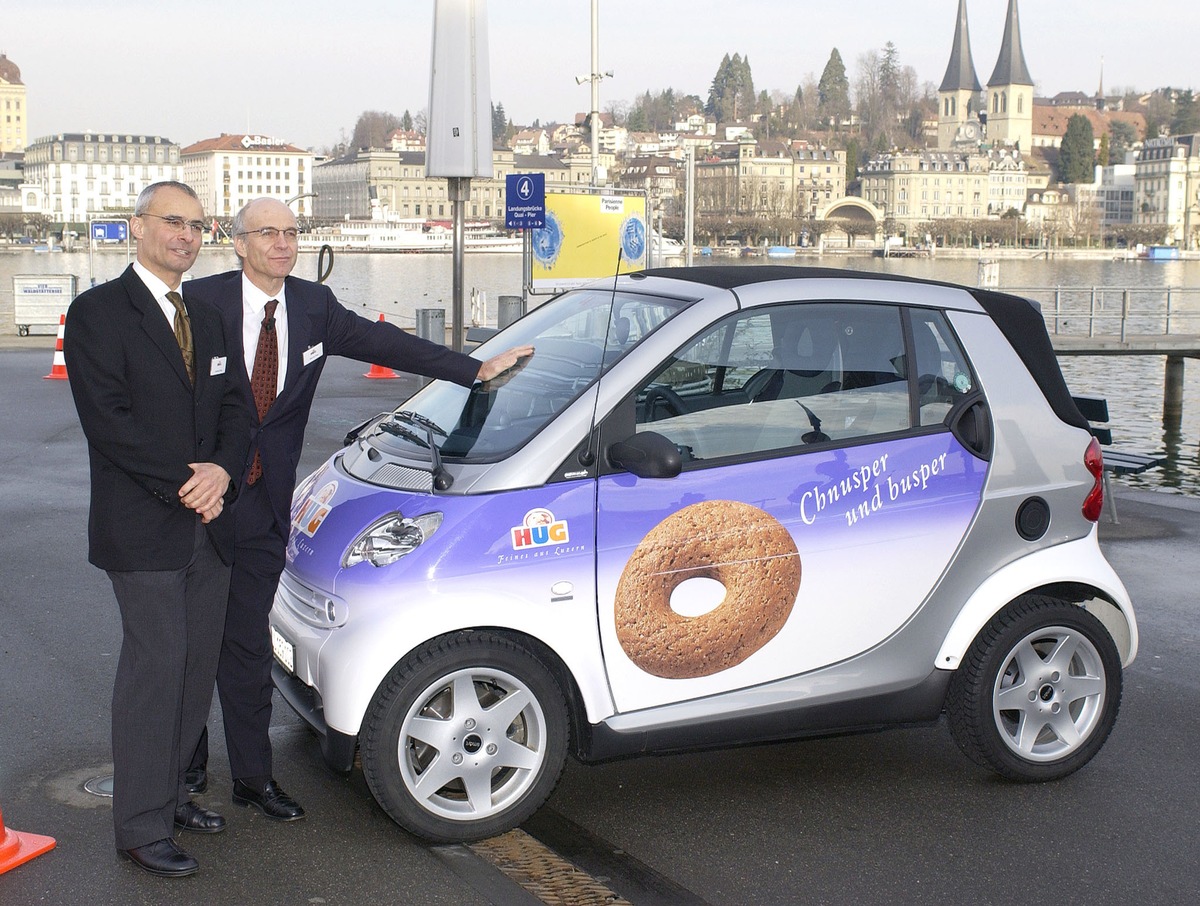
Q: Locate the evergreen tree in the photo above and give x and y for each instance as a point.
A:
(731, 96)
(1102, 155)
(1123, 136)
(406, 121)
(499, 123)
(1187, 114)
(833, 91)
(1077, 156)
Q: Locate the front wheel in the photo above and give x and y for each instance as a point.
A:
(1038, 692)
(465, 739)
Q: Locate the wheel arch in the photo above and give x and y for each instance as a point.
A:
(1075, 572)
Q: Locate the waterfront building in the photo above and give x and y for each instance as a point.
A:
(914, 187)
(12, 107)
(1008, 181)
(769, 179)
(73, 175)
(1010, 89)
(1167, 188)
(1115, 193)
(232, 169)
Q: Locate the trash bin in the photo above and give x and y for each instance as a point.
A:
(431, 325)
(510, 309)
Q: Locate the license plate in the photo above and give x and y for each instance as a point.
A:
(285, 651)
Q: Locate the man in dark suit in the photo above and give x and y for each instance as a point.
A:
(165, 430)
(286, 327)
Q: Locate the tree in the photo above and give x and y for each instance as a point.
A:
(373, 128)
(732, 93)
(1102, 155)
(1077, 156)
(1122, 136)
(833, 91)
(499, 122)
(406, 121)
(1187, 114)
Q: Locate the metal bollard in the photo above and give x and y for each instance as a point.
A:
(431, 325)
(510, 308)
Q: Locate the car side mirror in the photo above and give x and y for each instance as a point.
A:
(647, 455)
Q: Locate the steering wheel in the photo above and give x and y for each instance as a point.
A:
(669, 398)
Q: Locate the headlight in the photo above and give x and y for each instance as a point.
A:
(388, 539)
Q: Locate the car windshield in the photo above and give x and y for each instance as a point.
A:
(574, 336)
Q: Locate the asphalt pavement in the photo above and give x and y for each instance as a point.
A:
(894, 817)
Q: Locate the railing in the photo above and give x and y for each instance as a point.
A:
(1117, 310)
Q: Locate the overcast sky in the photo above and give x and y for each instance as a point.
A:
(303, 70)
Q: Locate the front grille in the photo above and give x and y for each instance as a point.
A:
(313, 607)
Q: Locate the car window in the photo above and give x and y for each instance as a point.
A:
(942, 372)
(792, 377)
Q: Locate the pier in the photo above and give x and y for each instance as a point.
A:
(1126, 320)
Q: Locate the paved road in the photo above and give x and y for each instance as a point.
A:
(896, 817)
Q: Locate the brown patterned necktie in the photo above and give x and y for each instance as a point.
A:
(264, 377)
(183, 334)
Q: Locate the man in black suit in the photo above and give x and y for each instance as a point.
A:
(165, 430)
(286, 327)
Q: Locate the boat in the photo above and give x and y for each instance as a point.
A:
(386, 233)
(781, 251)
(663, 247)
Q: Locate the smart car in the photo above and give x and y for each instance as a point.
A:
(718, 505)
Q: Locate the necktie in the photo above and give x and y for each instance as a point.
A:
(264, 376)
(183, 334)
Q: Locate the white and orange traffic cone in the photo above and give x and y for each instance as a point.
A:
(17, 848)
(58, 371)
(378, 371)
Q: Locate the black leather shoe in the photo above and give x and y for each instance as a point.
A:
(198, 820)
(163, 858)
(271, 800)
(196, 780)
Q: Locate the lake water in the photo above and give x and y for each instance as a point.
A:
(397, 285)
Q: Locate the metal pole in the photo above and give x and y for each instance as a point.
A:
(460, 189)
(689, 218)
(595, 120)
(1173, 393)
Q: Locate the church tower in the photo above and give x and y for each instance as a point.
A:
(1010, 90)
(958, 96)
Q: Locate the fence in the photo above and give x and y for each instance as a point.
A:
(1122, 311)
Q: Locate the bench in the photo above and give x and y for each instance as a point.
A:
(1118, 462)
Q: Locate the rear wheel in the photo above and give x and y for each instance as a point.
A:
(465, 739)
(1038, 692)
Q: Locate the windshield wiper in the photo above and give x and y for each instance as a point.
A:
(389, 426)
(418, 419)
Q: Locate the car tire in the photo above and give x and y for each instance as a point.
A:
(478, 716)
(1038, 691)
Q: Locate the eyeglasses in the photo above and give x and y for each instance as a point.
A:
(272, 233)
(177, 224)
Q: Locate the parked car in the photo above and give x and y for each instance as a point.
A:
(718, 505)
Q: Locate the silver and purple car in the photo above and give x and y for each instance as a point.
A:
(487, 579)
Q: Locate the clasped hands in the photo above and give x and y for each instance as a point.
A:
(205, 491)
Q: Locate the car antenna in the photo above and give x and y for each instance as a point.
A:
(588, 456)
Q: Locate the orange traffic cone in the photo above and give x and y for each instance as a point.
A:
(378, 371)
(58, 371)
(16, 847)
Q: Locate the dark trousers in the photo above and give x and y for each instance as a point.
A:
(171, 622)
(244, 673)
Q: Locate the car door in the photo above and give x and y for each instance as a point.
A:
(821, 495)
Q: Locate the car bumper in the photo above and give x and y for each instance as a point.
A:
(336, 748)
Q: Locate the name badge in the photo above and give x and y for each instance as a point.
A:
(313, 353)
(218, 365)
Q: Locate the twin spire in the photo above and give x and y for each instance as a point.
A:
(1010, 65)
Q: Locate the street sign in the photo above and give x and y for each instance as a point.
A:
(109, 230)
(524, 201)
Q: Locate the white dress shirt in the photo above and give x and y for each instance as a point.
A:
(254, 301)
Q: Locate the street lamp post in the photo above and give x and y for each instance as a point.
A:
(594, 77)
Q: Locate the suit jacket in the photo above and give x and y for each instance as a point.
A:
(144, 422)
(318, 327)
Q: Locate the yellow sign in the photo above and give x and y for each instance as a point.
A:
(587, 237)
